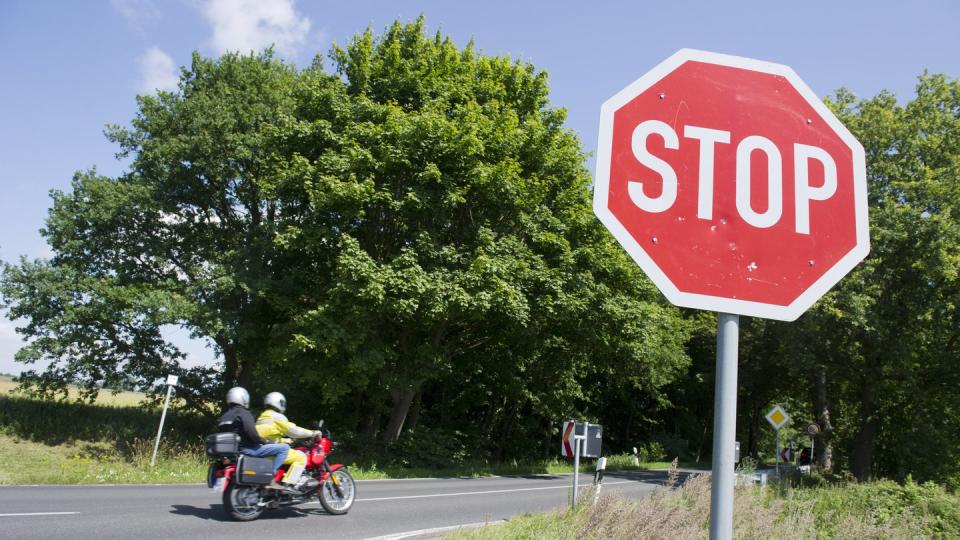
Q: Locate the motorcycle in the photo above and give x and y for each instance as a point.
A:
(242, 480)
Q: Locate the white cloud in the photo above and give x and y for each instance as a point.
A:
(157, 71)
(134, 10)
(245, 25)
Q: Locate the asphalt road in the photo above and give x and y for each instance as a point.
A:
(382, 508)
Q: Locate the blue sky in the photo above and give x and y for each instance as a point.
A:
(67, 68)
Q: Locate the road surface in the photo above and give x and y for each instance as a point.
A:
(382, 508)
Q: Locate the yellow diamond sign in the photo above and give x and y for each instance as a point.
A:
(777, 417)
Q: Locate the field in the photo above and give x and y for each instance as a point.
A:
(106, 397)
(110, 441)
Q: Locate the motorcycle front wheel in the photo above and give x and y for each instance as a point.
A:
(242, 502)
(334, 502)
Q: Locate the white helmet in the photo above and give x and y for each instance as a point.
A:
(238, 396)
(275, 401)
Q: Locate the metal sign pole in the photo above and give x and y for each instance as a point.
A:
(724, 427)
(813, 442)
(576, 464)
(777, 457)
(171, 382)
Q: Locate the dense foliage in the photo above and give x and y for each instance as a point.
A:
(405, 243)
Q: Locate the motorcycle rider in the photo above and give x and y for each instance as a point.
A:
(273, 425)
(239, 420)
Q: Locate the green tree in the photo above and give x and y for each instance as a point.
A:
(877, 357)
(900, 308)
(415, 224)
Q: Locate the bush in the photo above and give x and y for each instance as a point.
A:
(651, 452)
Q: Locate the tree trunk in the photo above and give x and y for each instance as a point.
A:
(862, 463)
(754, 434)
(401, 406)
(371, 423)
(821, 410)
(231, 370)
(245, 378)
(415, 411)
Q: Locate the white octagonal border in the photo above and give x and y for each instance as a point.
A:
(601, 190)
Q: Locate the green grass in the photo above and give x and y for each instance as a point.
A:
(43, 442)
(80, 462)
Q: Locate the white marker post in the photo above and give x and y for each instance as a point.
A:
(598, 478)
(171, 382)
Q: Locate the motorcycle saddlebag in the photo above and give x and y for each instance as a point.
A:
(253, 471)
(223, 444)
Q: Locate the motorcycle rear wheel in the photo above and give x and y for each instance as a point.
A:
(241, 502)
(330, 500)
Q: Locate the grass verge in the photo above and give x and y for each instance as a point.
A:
(63, 442)
(881, 509)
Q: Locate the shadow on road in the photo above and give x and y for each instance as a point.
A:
(535, 476)
(215, 512)
(651, 477)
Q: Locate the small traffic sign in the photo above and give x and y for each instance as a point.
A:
(812, 429)
(786, 455)
(777, 417)
(566, 446)
(590, 434)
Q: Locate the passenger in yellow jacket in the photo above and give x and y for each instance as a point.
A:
(274, 426)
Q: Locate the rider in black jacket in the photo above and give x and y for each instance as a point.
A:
(239, 420)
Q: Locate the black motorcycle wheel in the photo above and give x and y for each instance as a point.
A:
(332, 501)
(241, 502)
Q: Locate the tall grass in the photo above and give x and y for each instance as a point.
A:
(877, 510)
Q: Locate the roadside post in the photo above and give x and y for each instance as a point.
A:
(736, 190)
(777, 418)
(598, 478)
(171, 382)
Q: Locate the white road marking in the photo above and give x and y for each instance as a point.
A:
(481, 492)
(435, 530)
(40, 514)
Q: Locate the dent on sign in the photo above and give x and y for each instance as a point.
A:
(708, 138)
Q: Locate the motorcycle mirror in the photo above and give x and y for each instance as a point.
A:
(316, 424)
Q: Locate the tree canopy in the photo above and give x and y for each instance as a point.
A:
(410, 231)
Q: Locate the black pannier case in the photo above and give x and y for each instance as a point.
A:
(254, 471)
(223, 444)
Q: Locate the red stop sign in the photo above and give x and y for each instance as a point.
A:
(732, 185)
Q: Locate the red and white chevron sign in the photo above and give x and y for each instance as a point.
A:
(566, 447)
